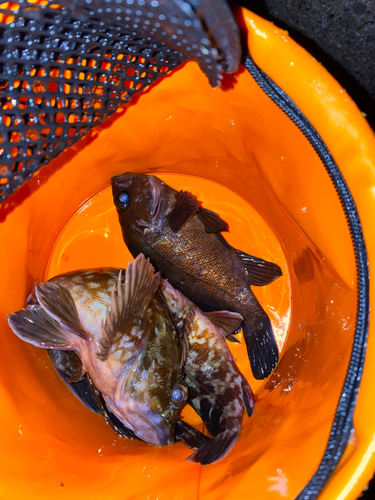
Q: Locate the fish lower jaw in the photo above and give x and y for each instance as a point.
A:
(148, 426)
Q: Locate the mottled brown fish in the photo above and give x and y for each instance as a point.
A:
(66, 310)
(126, 340)
(183, 241)
(217, 390)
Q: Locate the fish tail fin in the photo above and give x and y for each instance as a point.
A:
(35, 326)
(215, 449)
(191, 437)
(261, 346)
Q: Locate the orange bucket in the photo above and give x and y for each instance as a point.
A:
(244, 158)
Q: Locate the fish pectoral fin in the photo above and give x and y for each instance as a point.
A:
(82, 391)
(261, 348)
(129, 303)
(64, 362)
(190, 436)
(248, 398)
(260, 272)
(212, 222)
(184, 331)
(35, 326)
(216, 449)
(58, 303)
(76, 369)
(186, 206)
(228, 323)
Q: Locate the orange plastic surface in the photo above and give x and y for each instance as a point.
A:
(219, 142)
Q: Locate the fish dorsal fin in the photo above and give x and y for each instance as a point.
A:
(186, 206)
(184, 330)
(228, 323)
(58, 302)
(32, 300)
(35, 326)
(129, 303)
(212, 222)
(260, 272)
(176, 303)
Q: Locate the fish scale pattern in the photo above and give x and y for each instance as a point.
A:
(61, 73)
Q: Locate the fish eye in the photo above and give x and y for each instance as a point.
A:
(179, 394)
(122, 199)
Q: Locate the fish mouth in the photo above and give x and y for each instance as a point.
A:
(150, 427)
(161, 434)
(145, 419)
(124, 180)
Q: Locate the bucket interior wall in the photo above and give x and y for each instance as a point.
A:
(238, 138)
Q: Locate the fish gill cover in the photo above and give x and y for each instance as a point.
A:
(66, 66)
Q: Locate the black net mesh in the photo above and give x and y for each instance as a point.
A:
(64, 67)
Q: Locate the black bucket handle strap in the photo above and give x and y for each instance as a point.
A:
(343, 421)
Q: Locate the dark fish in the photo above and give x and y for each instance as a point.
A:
(182, 240)
(126, 340)
(217, 390)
